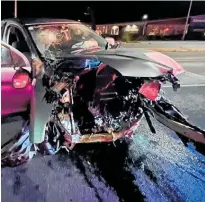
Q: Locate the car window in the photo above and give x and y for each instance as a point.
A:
(57, 40)
(17, 40)
(6, 58)
(17, 59)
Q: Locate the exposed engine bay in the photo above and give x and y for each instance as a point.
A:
(97, 103)
(93, 100)
(97, 100)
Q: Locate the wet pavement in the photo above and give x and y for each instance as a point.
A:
(151, 167)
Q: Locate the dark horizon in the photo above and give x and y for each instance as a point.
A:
(105, 12)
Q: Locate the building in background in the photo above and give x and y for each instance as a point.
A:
(197, 27)
(171, 28)
(167, 28)
(118, 30)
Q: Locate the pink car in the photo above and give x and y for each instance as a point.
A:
(16, 87)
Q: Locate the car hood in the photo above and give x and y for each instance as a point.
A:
(133, 62)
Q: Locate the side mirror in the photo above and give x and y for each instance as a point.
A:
(18, 67)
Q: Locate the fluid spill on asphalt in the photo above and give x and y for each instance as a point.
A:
(151, 167)
(50, 164)
(17, 184)
(111, 164)
(79, 164)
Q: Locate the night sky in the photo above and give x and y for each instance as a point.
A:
(105, 11)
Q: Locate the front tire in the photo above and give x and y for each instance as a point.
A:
(18, 150)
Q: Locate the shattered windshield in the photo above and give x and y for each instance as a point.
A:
(57, 40)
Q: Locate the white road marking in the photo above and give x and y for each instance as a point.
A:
(187, 85)
(196, 75)
(187, 58)
(190, 59)
(199, 62)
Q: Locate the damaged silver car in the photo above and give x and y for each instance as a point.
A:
(92, 93)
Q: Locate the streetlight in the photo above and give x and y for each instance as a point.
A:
(15, 8)
(187, 20)
(144, 18)
(78, 20)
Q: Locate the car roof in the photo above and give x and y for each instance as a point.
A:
(39, 21)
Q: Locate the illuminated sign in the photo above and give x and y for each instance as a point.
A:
(115, 30)
(198, 20)
(133, 28)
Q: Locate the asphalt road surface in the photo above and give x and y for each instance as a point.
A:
(150, 168)
(167, 44)
(193, 62)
